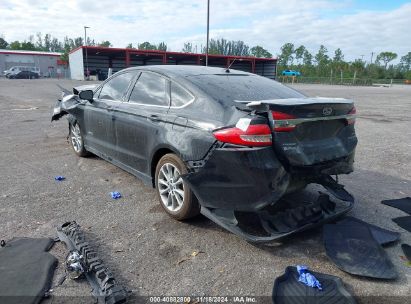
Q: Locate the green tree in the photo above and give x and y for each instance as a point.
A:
(105, 43)
(338, 56)
(307, 58)
(187, 48)
(130, 46)
(162, 46)
(259, 51)
(386, 57)
(405, 61)
(299, 53)
(3, 43)
(286, 56)
(147, 46)
(224, 47)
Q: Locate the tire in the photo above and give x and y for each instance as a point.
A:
(180, 203)
(77, 140)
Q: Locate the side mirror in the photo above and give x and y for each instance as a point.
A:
(86, 95)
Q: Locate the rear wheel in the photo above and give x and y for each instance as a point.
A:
(77, 140)
(174, 195)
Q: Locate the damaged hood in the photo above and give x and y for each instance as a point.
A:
(69, 101)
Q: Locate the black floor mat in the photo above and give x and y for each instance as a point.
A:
(407, 251)
(404, 222)
(287, 289)
(26, 270)
(404, 204)
(354, 250)
(381, 235)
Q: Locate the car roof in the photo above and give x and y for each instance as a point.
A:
(187, 70)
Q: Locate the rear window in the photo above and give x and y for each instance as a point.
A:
(229, 88)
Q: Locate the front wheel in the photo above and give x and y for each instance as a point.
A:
(77, 140)
(175, 196)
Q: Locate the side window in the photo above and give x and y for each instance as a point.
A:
(150, 89)
(179, 95)
(116, 87)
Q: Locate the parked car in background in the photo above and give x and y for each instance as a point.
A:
(34, 72)
(222, 142)
(291, 73)
(24, 75)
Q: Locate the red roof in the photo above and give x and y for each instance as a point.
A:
(167, 53)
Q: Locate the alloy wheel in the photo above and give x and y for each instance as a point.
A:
(76, 139)
(170, 187)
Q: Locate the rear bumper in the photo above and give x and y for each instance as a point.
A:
(249, 179)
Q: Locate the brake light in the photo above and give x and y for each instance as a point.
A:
(351, 118)
(253, 136)
(282, 122)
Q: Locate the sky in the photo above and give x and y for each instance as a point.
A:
(357, 27)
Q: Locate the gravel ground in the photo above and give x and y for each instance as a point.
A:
(143, 246)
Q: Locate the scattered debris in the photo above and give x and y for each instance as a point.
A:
(115, 194)
(403, 204)
(288, 290)
(407, 251)
(381, 235)
(26, 269)
(59, 178)
(307, 278)
(404, 222)
(354, 250)
(75, 265)
(104, 287)
(192, 255)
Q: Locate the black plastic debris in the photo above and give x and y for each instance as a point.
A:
(26, 270)
(288, 290)
(381, 235)
(407, 251)
(403, 204)
(354, 250)
(404, 222)
(104, 286)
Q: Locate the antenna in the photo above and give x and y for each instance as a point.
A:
(227, 70)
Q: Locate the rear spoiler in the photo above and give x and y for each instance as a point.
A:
(262, 104)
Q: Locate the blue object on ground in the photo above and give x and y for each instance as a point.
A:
(59, 178)
(307, 278)
(115, 194)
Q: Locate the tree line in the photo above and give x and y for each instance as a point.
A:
(323, 64)
(320, 64)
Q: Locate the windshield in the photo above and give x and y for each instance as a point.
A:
(240, 87)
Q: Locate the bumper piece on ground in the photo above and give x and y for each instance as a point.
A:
(280, 220)
(381, 235)
(287, 289)
(104, 287)
(353, 249)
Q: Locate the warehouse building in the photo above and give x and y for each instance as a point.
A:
(99, 60)
(49, 63)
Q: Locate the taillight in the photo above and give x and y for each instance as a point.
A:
(253, 136)
(352, 115)
(282, 122)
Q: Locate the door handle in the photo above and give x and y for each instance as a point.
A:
(155, 118)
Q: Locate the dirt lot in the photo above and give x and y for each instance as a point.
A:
(143, 246)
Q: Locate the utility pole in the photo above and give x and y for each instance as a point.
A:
(208, 29)
(85, 44)
(372, 55)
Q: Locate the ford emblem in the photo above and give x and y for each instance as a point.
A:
(327, 111)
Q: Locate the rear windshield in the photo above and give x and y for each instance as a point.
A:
(239, 87)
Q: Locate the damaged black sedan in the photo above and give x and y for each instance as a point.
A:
(229, 144)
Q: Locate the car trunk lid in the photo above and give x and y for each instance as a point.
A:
(309, 131)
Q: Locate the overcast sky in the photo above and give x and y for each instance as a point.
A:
(357, 27)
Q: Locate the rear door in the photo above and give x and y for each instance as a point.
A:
(141, 121)
(99, 115)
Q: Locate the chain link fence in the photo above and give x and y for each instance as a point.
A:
(342, 81)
